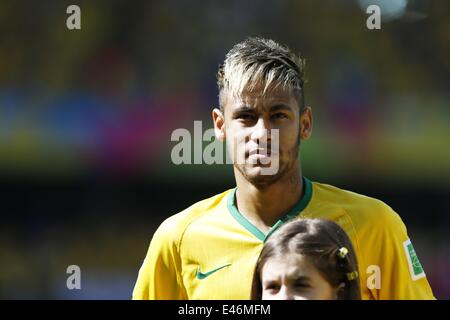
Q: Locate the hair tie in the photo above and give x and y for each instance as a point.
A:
(343, 252)
(352, 275)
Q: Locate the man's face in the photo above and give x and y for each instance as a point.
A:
(249, 120)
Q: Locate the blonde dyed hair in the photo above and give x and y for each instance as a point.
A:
(260, 61)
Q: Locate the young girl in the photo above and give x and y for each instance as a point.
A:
(307, 259)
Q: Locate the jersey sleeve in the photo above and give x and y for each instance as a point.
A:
(159, 277)
(402, 275)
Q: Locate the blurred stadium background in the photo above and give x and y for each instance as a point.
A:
(86, 118)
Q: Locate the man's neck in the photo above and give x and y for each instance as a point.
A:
(264, 206)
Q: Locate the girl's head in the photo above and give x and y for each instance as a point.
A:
(309, 259)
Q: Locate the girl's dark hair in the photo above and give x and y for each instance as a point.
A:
(319, 240)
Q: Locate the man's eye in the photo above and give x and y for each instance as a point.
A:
(301, 285)
(279, 115)
(246, 116)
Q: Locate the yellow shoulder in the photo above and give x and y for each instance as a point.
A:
(174, 226)
(361, 209)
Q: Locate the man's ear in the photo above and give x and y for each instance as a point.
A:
(306, 123)
(219, 124)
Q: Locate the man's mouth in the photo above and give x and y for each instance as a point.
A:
(260, 152)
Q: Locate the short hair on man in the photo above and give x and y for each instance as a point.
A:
(261, 61)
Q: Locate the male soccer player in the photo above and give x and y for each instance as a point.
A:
(209, 250)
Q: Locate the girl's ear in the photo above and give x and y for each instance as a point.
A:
(339, 289)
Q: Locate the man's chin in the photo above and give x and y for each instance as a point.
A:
(259, 177)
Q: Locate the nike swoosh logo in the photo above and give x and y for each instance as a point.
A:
(201, 275)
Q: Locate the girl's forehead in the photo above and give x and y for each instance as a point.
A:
(291, 263)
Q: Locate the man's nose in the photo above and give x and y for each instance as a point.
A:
(261, 131)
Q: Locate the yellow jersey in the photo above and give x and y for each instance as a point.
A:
(209, 250)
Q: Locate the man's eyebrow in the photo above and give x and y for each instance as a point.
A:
(302, 278)
(274, 108)
(280, 107)
(243, 109)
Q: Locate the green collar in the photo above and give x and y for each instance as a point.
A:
(294, 212)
